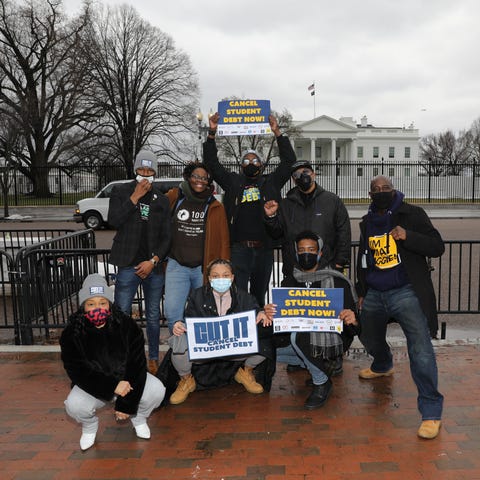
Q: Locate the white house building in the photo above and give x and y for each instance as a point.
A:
(325, 141)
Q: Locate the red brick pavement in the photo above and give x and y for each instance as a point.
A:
(366, 431)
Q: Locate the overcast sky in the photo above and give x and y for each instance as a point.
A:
(394, 61)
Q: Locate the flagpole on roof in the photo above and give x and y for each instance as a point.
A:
(311, 89)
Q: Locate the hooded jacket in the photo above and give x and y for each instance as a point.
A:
(233, 183)
(423, 241)
(97, 359)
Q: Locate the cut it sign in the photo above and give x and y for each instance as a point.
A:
(244, 117)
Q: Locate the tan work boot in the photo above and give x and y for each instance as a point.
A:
(429, 429)
(368, 373)
(152, 366)
(185, 387)
(246, 377)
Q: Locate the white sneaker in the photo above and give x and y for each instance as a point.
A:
(87, 440)
(142, 431)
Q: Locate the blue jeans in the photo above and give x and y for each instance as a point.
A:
(126, 286)
(254, 264)
(402, 304)
(318, 376)
(179, 280)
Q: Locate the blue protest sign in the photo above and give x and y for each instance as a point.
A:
(243, 117)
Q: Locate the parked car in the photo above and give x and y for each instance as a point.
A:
(93, 212)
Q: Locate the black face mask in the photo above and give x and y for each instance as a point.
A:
(382, 200)
(304, 182)
(251, 170)
(306, 261)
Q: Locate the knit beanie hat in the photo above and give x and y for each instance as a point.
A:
(254, 152)
(95, 286)
(146, 159)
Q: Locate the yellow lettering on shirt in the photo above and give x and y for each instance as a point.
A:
(251, 194)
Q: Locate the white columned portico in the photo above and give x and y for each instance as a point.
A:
(312, 150)
(333, 144)
(353, 150)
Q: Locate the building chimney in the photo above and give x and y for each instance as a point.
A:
(364, 121)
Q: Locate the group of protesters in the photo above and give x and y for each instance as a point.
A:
(210, 259)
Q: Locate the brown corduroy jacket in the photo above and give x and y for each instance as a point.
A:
(217, 237)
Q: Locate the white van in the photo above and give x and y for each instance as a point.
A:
(93, 212)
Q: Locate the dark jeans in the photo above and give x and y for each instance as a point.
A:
(403, 305)
(254, 264)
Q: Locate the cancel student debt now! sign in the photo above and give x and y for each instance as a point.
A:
(307, 309)
(244, 117)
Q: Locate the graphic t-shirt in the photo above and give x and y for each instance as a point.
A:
(188, 233)
(387, 271)
(143, 206)
(249, 221)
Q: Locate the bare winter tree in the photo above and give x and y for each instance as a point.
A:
(472, 140)
(443, 154)
(231, 147)
(145, 87)
(42, 79)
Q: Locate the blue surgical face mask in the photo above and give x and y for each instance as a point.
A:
(139, 178)
(221, 285)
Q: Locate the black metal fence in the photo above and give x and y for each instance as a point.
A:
(350, 181)
(40, 285)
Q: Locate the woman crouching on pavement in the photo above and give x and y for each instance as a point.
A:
(218, 297)
(103, 352)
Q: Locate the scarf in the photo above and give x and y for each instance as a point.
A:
(326, 345)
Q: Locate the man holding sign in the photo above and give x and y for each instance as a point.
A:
(220, 336)
(245, 196)
(320, 349)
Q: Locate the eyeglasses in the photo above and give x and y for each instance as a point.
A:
(296, 175)
(199, 178)
(254, 161)
(381, 188)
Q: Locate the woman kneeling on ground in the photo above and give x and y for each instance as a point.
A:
(218, 297)
(103, 352)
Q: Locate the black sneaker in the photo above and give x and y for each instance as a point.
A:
(294, 368)
(319, 395)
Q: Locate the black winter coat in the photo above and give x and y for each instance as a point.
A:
(96, 359)
(423, 240)
(324, 214)
(125, 217)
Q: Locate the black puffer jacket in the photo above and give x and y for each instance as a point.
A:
(96, 359)
(324, 214)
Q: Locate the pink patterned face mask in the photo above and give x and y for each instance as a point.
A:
(98, 316)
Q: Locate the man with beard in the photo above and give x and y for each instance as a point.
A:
(308, 206)
(394, 282)
(245, 196)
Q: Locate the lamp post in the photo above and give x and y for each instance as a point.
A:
(202, 130)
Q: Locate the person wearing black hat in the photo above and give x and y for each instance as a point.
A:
(140, 213)
(103, 353)
(245, 195)
(308, 206)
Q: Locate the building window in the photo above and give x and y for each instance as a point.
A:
(407, 172)
(359, 153)
(407, 152)
(318, 152)
(375, 171)
(359, 171)
(337, 152)
(375, 152)
(391, 152)
(391, 172)
(299, 152)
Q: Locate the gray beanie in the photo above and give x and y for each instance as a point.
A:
(95, 286)
(255, 152)
(146, 159)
